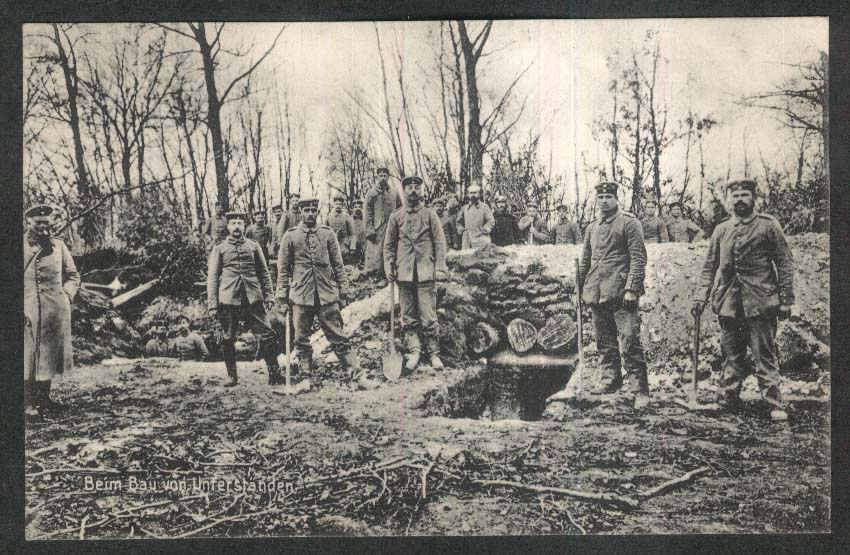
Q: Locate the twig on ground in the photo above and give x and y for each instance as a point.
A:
(670, 484)
(574, 523)
(83, 527)
(156, 504)
(612, 498)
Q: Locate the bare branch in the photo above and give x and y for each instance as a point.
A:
(253, 66)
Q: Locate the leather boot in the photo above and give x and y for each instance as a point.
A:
(414, 350)
(434, 353)
(305, 364)
(641, 398)
(269, 354)
(356, 374)
(230, 364)
(274, 375)
(608, 383)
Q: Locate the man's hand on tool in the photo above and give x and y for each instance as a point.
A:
(698, 307)
(283, 307)
(630, 299)
(784, 311)
(268, 305)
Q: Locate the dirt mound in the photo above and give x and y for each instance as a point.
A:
(98, 332)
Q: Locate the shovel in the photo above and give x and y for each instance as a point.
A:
(392, 362)
(693, 402)
(288, 388)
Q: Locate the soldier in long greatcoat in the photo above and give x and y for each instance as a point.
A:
(51, 282)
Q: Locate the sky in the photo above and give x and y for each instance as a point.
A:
(317, 65)
(567, 83)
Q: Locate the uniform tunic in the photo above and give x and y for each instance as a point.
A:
(378, 206)
(505, 231)
(614, 261)
(449, 224)
(158, 348)
(565, 232)
(360, 233)
(262, 235)
(289, 220)
(533, 234)
(190, 347)
(748, 274)
(313, 278)
(654, 230)
(681, 230)
(216, 229)
(474, 224)
(343, 225)
(51, 282)
(416, 248)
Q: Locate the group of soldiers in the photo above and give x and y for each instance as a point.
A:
(185, 344)
(296, 270)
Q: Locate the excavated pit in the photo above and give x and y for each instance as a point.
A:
(498, 287)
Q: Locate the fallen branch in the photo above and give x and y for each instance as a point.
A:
(156, 504)
(612, 498)
(670, 484)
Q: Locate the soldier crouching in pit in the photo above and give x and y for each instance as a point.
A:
(415, 257)
(239, 288)
(611, 275)
(314, 281)
(755, 286)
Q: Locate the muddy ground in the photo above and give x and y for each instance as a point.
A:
(158, 448)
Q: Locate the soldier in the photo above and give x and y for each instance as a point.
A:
(239, 288)
(359, 230)
(754, 287)
(381, 201)
(260, 232)
(681, 229)
(564, 232)
(448, 222)
(51, 282)
(158, 346)
(453, 210)
(475, 221)
(290, 219)
(611, 276)
(274, 243)
(532, 234)
(343, 225)
(216, 228)
(415, 257)
(654, 228)
(505, 229)
(314, 281)
(188, 345)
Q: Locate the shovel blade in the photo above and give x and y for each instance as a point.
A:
(392, 366)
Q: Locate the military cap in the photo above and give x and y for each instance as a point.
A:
(357, 201)
(742, 185)
(474, 188)
(259, 212)
(383, 170)
(439, 200)
(39, 210)
(339, 197)
(500, 198)
(411, 180)
(533, 203)
(608, 187)
(277, 207)
(294, 195)
(305, 202)
(676, 203)
(232, 215)
(561, 205)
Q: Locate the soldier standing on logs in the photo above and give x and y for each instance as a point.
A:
(505, 225)
(415, 257)
(239, 288)
(564, 232)
(681, 229)
(51, 282)
(475, 221)
(654, 228)
(532, 228)
(314, 281)
(343, 225)
(611, 276)
(755, 286)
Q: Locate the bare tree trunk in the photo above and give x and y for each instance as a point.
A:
(471, 54)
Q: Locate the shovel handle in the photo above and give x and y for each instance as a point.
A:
(392, 317)
(286, 343)
(695, 357)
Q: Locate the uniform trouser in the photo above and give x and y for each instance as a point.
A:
(759, 333)
(254, 315)
(617, 331)
(330, 320)
(418, 302)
